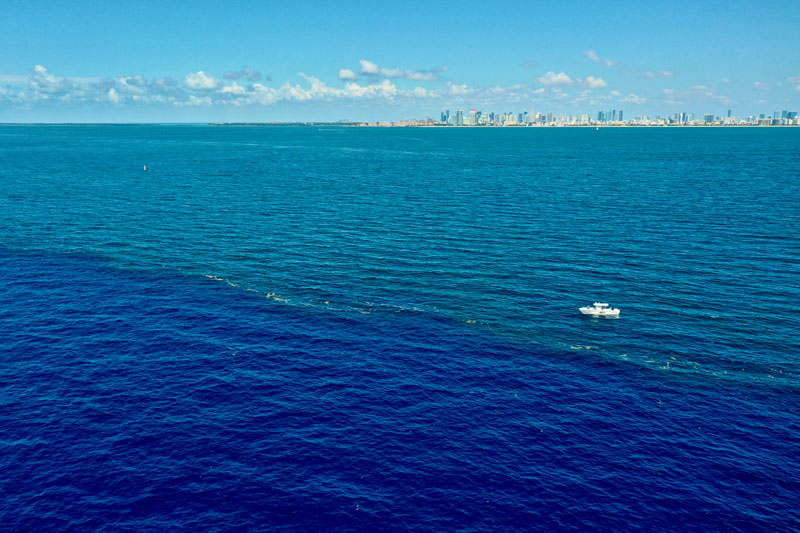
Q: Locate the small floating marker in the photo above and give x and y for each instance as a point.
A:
(145, 168)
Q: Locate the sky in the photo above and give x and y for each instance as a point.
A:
(235, 61)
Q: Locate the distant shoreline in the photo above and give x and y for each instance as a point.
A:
(390, 125)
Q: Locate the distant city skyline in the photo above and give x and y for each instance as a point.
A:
(204, 62)
(614, 117)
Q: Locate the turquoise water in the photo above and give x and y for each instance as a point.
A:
(692, 233)
(417, 278)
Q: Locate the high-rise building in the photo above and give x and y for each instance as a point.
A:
(729, 113)
(459, 117)
(619, 117)
(601, 117)
(708, 118)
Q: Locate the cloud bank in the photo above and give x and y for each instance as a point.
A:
(370, 83)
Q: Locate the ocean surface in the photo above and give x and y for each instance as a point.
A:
(357, 329)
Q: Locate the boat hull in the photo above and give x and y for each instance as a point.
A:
(599, 312)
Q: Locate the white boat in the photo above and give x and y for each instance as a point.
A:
(599, 309)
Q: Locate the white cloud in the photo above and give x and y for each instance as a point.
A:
(551, 78)
(422, 92)
(594, 83)
(369, 68)
(458, 90)
(633, 99)
(666, 74)
(194, 100)
(44, 83)
(385, 89)
(761, 85)
(200, 81)
(317, 90)
(591, 54)
(347, 74)
(423, 75)
(699, 87)
(113, 96)
(392, 72)
(234, 89)
(725, 80)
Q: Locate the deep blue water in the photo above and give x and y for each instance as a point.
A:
(360, 329)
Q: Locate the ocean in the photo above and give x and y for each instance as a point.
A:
(360, 329)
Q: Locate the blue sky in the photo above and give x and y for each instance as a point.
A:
(170, 61)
